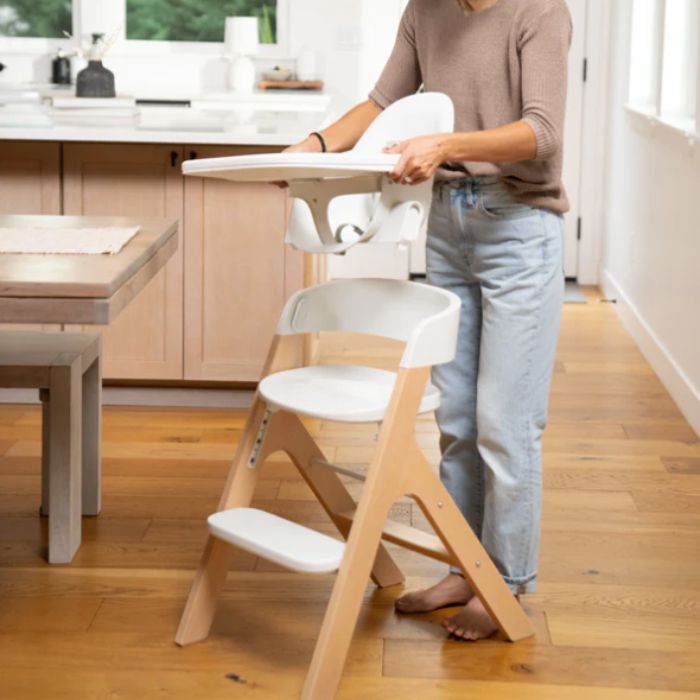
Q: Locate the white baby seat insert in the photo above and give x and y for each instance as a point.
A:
(343, 200)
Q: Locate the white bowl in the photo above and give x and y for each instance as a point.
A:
(281, 74)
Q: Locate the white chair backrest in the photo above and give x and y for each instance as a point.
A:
(416, 115)
(348, 216)
(425, 318)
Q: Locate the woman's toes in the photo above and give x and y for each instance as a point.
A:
(449, 626)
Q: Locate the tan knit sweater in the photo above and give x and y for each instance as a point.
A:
(499, 65)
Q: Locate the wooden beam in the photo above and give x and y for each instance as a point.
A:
(410, 537)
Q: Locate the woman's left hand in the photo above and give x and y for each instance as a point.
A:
(420, 158)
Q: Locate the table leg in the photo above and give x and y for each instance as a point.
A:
(92, 438)
(65, 501)
(45, 398)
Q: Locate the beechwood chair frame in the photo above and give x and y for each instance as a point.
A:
(399, 468)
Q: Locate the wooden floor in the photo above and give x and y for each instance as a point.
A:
(618, 607)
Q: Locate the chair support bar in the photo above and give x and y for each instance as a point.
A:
(339, 470)
(410, 538)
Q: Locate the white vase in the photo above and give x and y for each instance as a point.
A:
(242, 75)
(306, 65)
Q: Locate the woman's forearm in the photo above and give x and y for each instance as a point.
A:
(346, 132)
(510, 143)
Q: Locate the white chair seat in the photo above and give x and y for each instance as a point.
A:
(286, 543)
(346, 393)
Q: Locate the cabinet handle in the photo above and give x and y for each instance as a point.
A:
(193, 155)
(173, 158)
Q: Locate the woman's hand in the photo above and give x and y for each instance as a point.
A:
(420, 158)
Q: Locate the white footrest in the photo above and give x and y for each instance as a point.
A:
(286, 543)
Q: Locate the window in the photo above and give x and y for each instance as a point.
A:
(643, 89)
(195, 20)
(32, 18)
(680, 62)
(665, 61)
(150, 27)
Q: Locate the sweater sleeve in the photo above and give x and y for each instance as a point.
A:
(544, 51)
(402, 75)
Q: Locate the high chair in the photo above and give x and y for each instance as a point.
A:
(426, 320)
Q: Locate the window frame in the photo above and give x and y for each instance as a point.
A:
(136, 47)
(690, 125)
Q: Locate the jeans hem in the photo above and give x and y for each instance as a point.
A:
(518, 586)
(523, 585)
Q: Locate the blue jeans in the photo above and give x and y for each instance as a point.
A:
(504, 260)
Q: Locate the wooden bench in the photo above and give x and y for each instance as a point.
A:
(66, 369)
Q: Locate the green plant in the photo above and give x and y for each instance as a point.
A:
(27, 18)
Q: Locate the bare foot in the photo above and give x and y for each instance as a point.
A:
(452, 590)
(472, 622)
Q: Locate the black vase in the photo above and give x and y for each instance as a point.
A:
(95, 81)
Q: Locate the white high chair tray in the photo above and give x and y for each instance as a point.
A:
(286, 167)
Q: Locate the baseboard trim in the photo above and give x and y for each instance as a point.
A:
(672, 376)
(169, 397)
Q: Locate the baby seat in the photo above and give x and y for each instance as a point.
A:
(426, 320)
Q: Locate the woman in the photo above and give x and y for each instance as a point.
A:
(495, 238)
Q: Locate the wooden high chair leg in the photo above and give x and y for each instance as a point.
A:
(209, 581)
(382, 488)
(344, 606)
(288, 433)
(210, 578)
(216, 560)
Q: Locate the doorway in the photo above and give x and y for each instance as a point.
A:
(573, 134)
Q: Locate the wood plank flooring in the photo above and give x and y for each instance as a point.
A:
(618, 607)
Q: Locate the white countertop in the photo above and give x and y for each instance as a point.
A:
(261, 129)
(264, 119)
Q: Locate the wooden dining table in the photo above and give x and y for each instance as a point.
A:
(69, 290)
(81, 289)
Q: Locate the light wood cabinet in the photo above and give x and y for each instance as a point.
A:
(30, 183)
(30, 177)
(145, 341)
(238, 272)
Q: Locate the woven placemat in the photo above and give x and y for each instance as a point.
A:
(65, 241)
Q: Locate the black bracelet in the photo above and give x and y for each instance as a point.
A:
(319, 136)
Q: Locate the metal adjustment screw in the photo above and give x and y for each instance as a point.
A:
(478, 563)
(440, 504)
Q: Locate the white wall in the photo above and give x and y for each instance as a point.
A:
(354, 38)
(651, 258)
